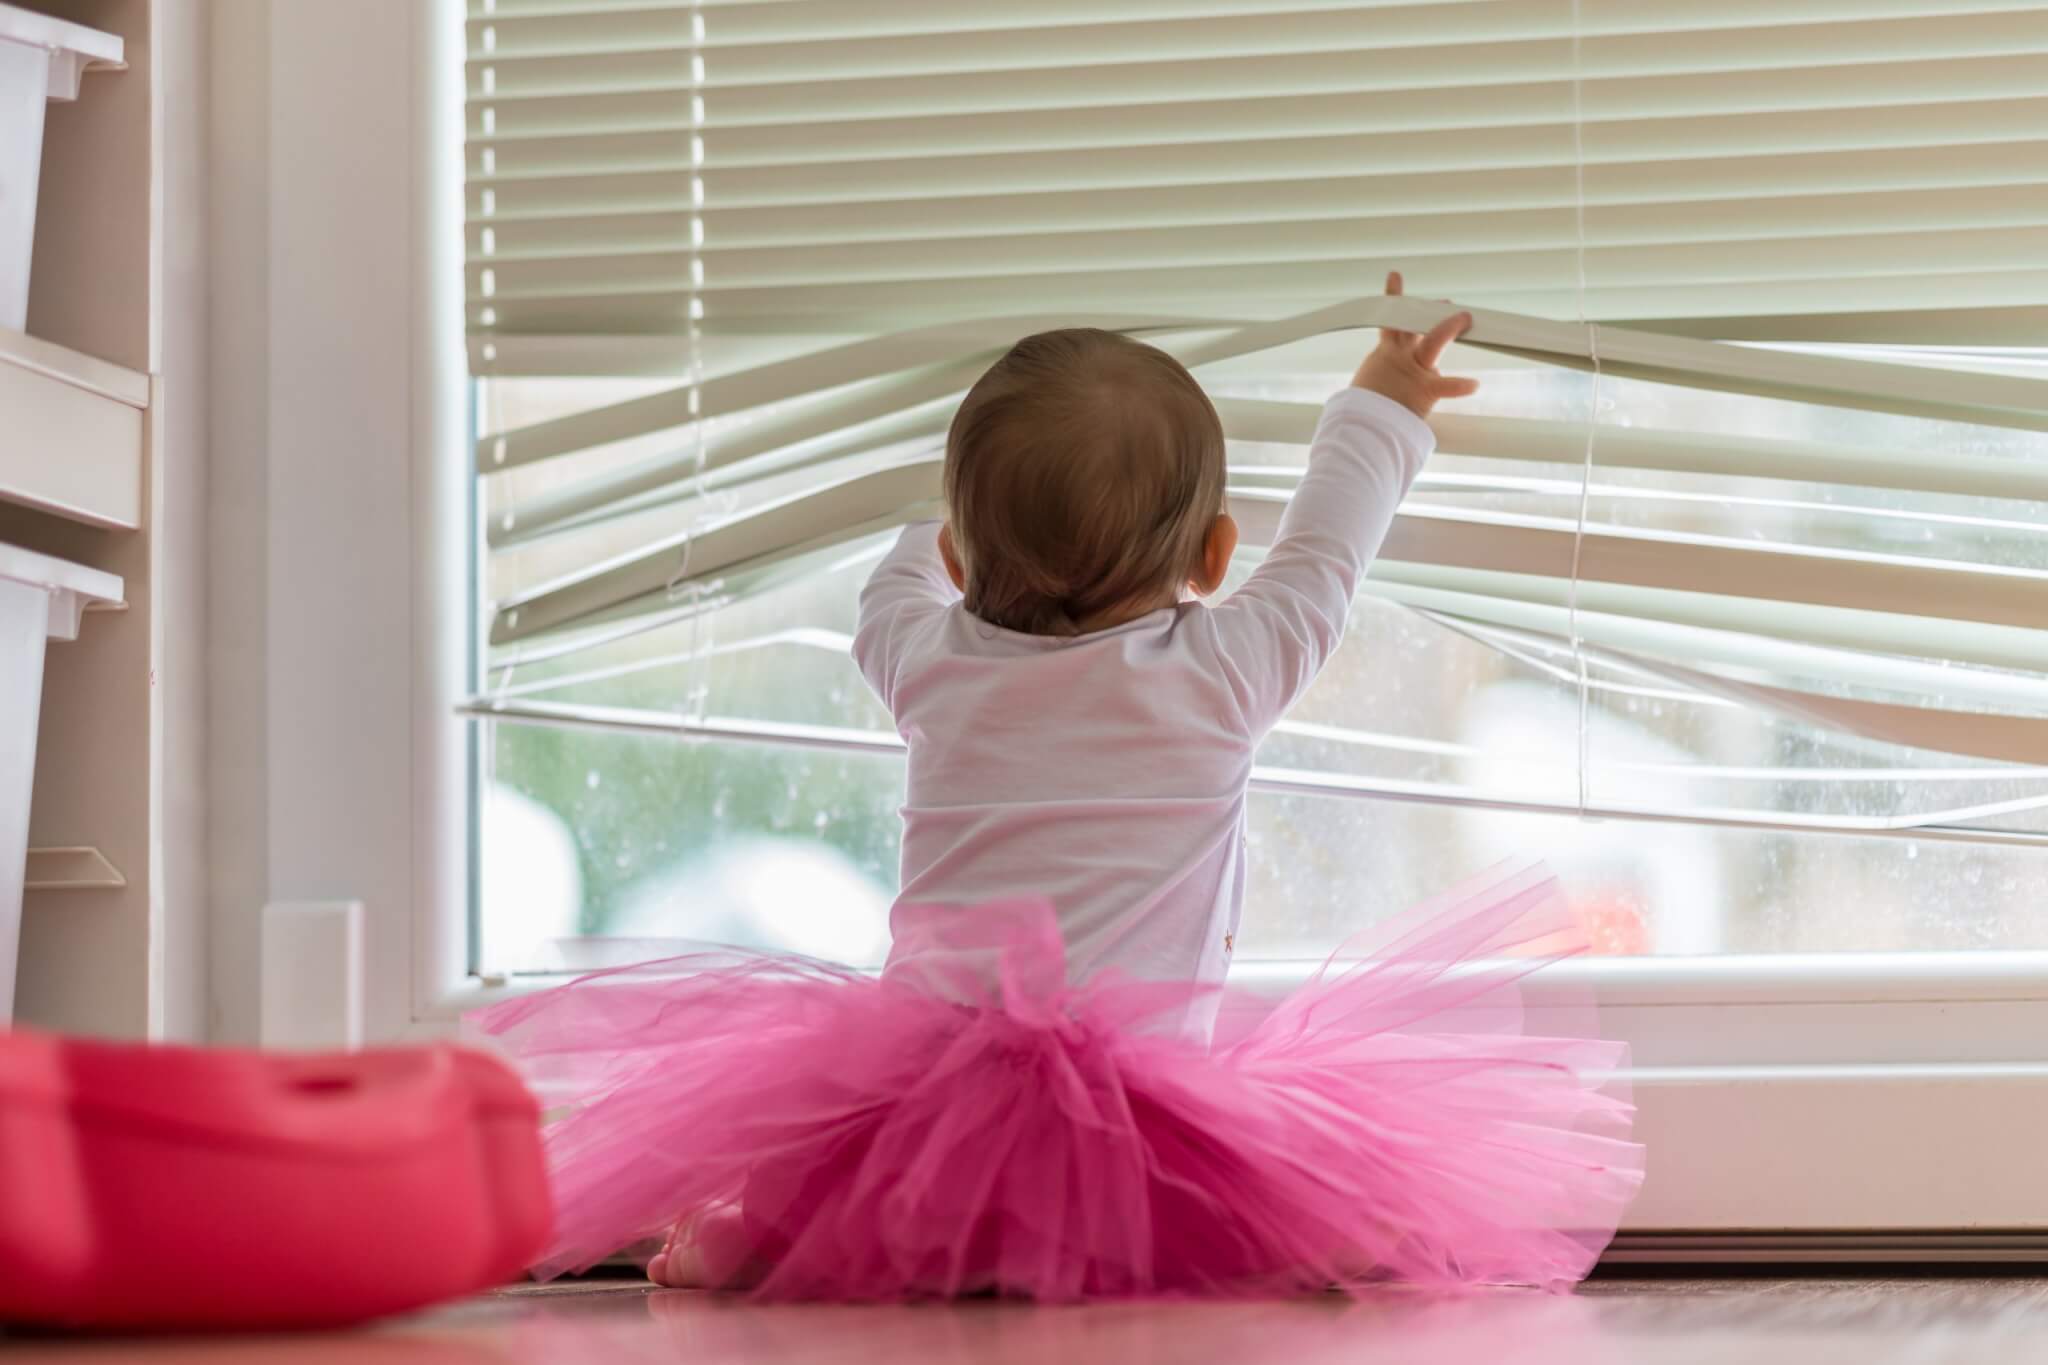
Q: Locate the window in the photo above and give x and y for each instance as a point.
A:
(1465, 704)
(1726, 593)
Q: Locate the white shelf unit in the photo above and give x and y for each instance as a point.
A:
(72, 443)
(102, 465)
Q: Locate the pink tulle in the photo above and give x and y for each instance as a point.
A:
(1389, 1119)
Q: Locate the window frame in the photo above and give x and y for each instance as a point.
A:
(1881, 1095)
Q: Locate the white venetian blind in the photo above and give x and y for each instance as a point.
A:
(823, 166)
(792, 233)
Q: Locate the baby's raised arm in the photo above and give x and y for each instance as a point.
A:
(1278, 630)
(908, 588)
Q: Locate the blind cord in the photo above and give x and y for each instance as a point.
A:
(1581, 668)
(496, 420)
(697, 693)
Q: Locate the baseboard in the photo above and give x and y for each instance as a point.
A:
(1912, 1156)
(1828, 1248)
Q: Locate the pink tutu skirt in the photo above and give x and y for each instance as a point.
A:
(1389, 1119)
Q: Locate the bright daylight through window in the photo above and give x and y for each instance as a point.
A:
(1750, 643)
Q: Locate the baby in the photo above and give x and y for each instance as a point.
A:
(1028, 1100)
(1079, 723)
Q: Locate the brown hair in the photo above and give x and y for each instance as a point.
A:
(1082, 474)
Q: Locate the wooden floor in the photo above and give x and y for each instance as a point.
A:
(1809, 1321)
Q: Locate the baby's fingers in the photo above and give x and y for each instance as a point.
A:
(1440, 337)
(1394, 335)
(1455, 386)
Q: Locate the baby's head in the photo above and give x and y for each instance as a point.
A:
(1084, 485)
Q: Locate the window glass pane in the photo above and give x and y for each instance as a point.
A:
(1321, 866)
(588, 834)
(601, 848)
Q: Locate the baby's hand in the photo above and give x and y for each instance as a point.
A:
(1403, 366)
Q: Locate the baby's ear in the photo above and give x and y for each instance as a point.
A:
(1217, 548)
(952, 558)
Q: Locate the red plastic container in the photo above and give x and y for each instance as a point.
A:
(166, 1187)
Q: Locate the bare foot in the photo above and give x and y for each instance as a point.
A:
(674, 1248)
(708, 1251)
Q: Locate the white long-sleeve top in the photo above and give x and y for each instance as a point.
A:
(1107, 772)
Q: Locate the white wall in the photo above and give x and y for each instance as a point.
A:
(323, 372)
(237, 591)
(178, 857)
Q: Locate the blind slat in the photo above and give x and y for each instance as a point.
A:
(1611, 614)
(554, 25)
(1494, 595)
(1974, 268)
(1824, 188)
(742, 53)
(1725, 225)
(1269, 55)
(1751, 652)
(1979, 311)
(812, 122)
(559, 166)
(648, 337)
